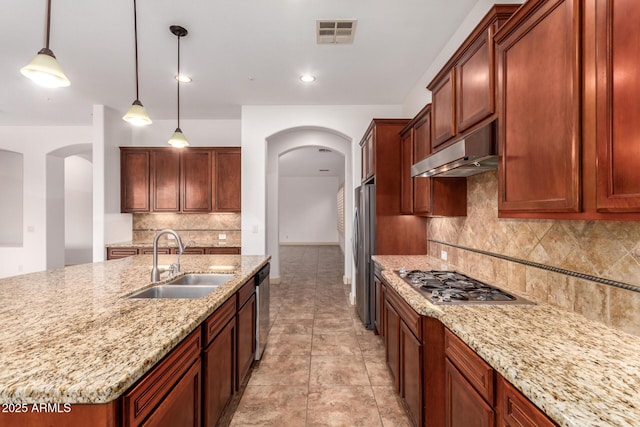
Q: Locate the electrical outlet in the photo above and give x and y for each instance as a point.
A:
(171, 237)
(222, 236)
(443, 255)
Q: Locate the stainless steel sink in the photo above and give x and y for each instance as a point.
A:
(195, 279)
(188, 286)
(175, 291)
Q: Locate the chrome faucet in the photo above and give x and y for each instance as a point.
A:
(175, 268)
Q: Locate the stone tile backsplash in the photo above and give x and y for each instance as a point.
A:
(607, 249)
(201, 228)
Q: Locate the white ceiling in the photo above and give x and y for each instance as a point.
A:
(239, 52)
(308, 161)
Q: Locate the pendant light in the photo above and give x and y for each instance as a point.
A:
(177, 139)
(136, 115)
(44, 68)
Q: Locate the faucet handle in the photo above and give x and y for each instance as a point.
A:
(174, 269)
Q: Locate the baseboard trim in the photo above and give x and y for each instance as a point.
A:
(352, 298)
(346, 280)
(275, 280)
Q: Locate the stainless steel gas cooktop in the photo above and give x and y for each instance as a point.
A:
(453, 288)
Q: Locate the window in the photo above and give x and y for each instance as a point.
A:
(11, 190)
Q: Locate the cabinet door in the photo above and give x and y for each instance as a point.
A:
(223, 250)
(406, 183)
(515, 410)
(539, 108)
(464, 407)
(377, 307)
(392, 342)
(422, 148)
(443, 110)
(195, 170)
(181, 407)
(411, 373)
(165, 180)
(219, 374)
(618, 110)
(227, 184)
(475, 83)
(246, 346)
(134, 180)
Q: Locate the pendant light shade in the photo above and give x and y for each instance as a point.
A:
(177, 139)
(136, 115)
(44, 68)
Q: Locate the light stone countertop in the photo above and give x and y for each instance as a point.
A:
(166, 243)
(71, 336)
(579, 372)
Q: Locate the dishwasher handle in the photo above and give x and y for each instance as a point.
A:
(263, 274)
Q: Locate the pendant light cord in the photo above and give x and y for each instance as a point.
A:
(135, 32)
(178, 82)
(48, 23)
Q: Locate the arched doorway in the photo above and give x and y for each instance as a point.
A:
(310, 140)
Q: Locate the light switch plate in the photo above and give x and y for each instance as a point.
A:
(222, 236)
(443, 255)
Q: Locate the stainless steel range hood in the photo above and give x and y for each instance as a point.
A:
(474, 153)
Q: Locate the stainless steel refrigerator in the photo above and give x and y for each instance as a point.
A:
(364, 245)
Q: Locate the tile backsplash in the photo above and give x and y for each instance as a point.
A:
(605, 249)
(201, 228)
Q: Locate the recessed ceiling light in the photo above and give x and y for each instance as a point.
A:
(183, 78)
(307, 78)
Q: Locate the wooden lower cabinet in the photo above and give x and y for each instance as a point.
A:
(170, 391)
(464, 407)
(117, 253)
(411, 373)
(181, 407)
(219, 360)
(515, 410)
(378, 305)
(246, 335)
(392, 342)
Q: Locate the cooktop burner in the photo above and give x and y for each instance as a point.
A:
(451, 287)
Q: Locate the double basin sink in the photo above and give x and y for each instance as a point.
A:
(187, 286)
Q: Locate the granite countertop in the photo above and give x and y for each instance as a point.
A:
(166, 243)
(579, 372)
(71, 335)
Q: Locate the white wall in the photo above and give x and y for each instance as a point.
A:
(78, 210)
(34, 143)
(109, 225)
(11, 194)
(262, 122)
(419, 96)
(308, 209)
(199, 133)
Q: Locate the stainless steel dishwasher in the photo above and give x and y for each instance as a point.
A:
(262, 309)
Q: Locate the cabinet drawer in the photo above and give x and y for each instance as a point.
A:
(161, 251)
(223, 250)
(115, 253)
(517, 410)
(245, 292)
(214, 324)
(192, 251)
(477, 372)
(145, 396)
(408, 315)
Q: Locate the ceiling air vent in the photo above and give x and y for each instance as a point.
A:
(323, 170)
(335, 31)
(324, 150)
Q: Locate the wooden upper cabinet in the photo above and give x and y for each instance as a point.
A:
(475, 82)
(443, 109)
(368, 150)
(539, 78)
(196, 180)
(190, 180)
(165, 180)
(463, 92)
(406, 160)
(618, 111)
(227, 180)
(134, 190)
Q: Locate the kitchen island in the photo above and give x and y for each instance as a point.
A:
(579, 372)
(71, 335)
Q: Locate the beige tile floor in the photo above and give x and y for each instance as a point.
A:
(321, 367)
